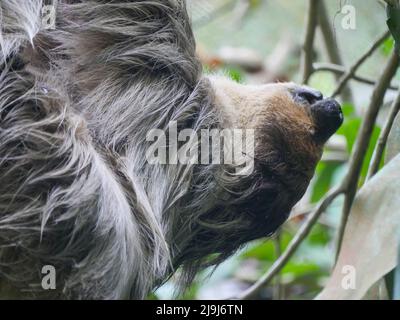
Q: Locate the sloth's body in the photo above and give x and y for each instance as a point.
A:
(76, 191)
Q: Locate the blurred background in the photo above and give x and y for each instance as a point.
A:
(259, 41)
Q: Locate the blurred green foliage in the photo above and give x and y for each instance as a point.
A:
(350, 130)
(235, 74)
(387, 46)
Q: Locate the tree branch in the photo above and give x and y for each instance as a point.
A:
(308, 45)
(353, 69)
(331, 45)
(340, 70)
(350, 183)
(378, 152)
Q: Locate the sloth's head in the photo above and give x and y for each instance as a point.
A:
(286, 126)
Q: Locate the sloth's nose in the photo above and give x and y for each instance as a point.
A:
(327, 113)
(307, 95)
(328, 117)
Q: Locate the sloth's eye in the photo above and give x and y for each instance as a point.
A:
(307, 95)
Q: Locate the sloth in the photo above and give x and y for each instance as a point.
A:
(77, 192)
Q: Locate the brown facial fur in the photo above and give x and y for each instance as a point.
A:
(278, 121)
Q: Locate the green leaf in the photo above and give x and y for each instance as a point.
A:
(350, 131)
(348, 110)
(387, 46)
(323, 181)
(319, 235)
(300, 269)
(367, 160)
(152, 296)
(235, 74)
(191, 293)
(265, 250)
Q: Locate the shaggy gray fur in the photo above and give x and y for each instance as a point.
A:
(76, 192)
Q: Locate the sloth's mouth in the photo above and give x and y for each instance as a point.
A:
(326, 113)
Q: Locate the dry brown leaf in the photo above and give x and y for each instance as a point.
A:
(371, 236)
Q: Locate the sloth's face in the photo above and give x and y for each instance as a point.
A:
(301, 111)
(291, 123)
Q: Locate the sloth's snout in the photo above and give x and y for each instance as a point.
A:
(328, 117)
(326, 113)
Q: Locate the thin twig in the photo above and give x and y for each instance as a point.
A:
(350, 183)
(293, 245)
(308, 46)
(353, 69)
(331, 45)
(340, 70)
(278, 287)
(381, 144)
